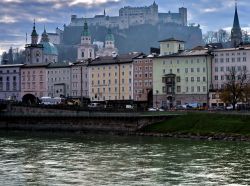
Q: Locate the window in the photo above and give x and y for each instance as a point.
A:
(216, 69)
(198, 88)
(192, 69)
(178, 88)
(198, 69)
(178, 70)
(186, 70)
(192, 89)
(244, 59)
(204, 79)
(204, 89)
(215, 77)
(198, 79)
(178, 79)
(186, 79)
(192, 79)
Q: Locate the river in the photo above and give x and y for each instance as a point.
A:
(84, 159)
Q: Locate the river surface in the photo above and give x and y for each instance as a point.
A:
(53, 159)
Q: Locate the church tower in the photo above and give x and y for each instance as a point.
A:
(109, 49)
(34, 51)
(85, 37)
(236, 34)
(109, 40)
(85, 50)
(34, 35)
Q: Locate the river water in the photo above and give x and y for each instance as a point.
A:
(53, 159)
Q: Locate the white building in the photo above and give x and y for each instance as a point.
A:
(59, 79)
(10, 82)
(181, 76)
(227, 59)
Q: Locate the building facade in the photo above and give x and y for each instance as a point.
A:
(111, 78)
(10, 83)
(34, 80)
(59, 80)
(181, 77)
(225, 60)
(143, 78)
(80, 80)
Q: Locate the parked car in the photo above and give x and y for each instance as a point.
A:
(94, 105)
(153, 109)
(230, 107)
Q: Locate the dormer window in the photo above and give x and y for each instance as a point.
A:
(37, 53)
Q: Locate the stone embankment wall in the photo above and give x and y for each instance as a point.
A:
(58, 120)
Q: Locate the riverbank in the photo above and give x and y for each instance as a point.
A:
(209, 126)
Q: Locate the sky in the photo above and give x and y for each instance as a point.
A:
(16, 16)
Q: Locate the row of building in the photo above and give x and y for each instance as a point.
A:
(175, 76)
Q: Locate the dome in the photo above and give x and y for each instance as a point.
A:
(49, 48)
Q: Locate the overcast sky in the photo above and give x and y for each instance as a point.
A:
(16, 16)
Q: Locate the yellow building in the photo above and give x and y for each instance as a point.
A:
(111, 78)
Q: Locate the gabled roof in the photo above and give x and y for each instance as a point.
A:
(109, 60)
(171, 39)
(35, 65)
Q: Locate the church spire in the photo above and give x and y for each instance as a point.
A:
(85, 29)
(236, 17)
(45, 37)
(236, 34)
(34, 35)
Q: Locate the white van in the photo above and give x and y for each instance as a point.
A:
(94, 105)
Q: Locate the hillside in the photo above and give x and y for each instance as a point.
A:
(137, 38)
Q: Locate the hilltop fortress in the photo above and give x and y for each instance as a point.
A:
(133, 16)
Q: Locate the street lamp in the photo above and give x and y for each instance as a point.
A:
(156, 102)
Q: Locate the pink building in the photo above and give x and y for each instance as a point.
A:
(143, 78)
(34, 81)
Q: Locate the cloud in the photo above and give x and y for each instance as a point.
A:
(210, 10)
(7, 19)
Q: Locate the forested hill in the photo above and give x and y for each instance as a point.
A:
(137, 38)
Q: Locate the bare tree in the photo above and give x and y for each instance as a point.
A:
(220, 36)
(233, 91)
